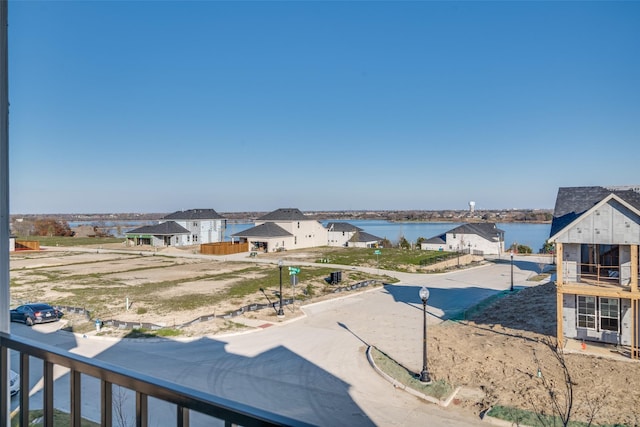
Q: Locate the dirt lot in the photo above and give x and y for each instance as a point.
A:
(499, 353)
(162, 290)
(495, 356)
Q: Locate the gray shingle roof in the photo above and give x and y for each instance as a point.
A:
(284, 214)
(364, 237)
(195, 214)
(168, 228)
(342, 226)
(268, 229)
(486, 230)
(437, 240)
(572, 202)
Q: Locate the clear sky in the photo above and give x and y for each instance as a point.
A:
(157, 106)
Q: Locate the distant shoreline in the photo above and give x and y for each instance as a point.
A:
(532, 216)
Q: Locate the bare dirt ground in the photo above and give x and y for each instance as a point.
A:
(166, 291)
(499, 352)
(494, 356)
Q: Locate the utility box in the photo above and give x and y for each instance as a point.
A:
(335, 277)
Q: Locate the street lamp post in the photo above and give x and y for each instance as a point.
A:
(280, 310)
(511, 272)
(424, 375)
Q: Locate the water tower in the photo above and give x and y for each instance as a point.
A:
(472, 207)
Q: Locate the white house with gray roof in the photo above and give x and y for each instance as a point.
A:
(348, 235)
(181, 228)
(339, 233)
(283, 229)
(205, 225)
(476, 238)
(168, 233)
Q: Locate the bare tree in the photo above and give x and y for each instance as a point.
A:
(594, 401)
(120, 399)
(559, 391)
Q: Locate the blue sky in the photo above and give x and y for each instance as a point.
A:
(156, 106)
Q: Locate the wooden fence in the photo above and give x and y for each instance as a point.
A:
(223, 248)
(27, 245)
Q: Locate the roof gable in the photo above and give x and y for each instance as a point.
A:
(342, 226)
(573, 202)
(438, 240)
(363, 237)
(192, 214)
(284, 214)
(162, 229)
(486, 230)
(268, 229)
(611, 199)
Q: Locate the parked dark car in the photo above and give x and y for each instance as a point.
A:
(35, 313)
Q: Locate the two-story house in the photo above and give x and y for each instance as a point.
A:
(596, 232)
(283, 229)
(181, 228)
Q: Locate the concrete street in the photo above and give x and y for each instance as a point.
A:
(313, 368)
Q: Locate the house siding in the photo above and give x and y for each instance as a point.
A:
(569, 319)
(207, 231)
(626, 318)
(306, 234)
(610, 223)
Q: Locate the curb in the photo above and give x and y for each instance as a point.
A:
(499, 422)
(416, 393)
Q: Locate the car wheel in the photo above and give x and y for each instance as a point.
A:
(28, 321)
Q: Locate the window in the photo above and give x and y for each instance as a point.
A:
(609, 314)
(586, 312)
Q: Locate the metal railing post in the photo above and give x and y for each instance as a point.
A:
(142, 410)
(75, 402)
(47, 405)
(106, 403)
(24, 385)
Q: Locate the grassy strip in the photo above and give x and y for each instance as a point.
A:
(389, 258)
(59, 419)
(529, 418)
(437, 389)
(71, 241)
(538, 277)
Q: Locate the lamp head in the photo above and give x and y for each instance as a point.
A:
(424, 294)
(280, 263)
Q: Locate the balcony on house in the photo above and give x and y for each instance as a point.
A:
(599, 265)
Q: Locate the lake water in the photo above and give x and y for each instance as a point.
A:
(532, 235)
(529, 234)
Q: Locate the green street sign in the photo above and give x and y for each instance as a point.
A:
(293, 271)
(377, 252)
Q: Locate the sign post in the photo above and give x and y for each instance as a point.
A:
(293, 277)
(377, 253)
